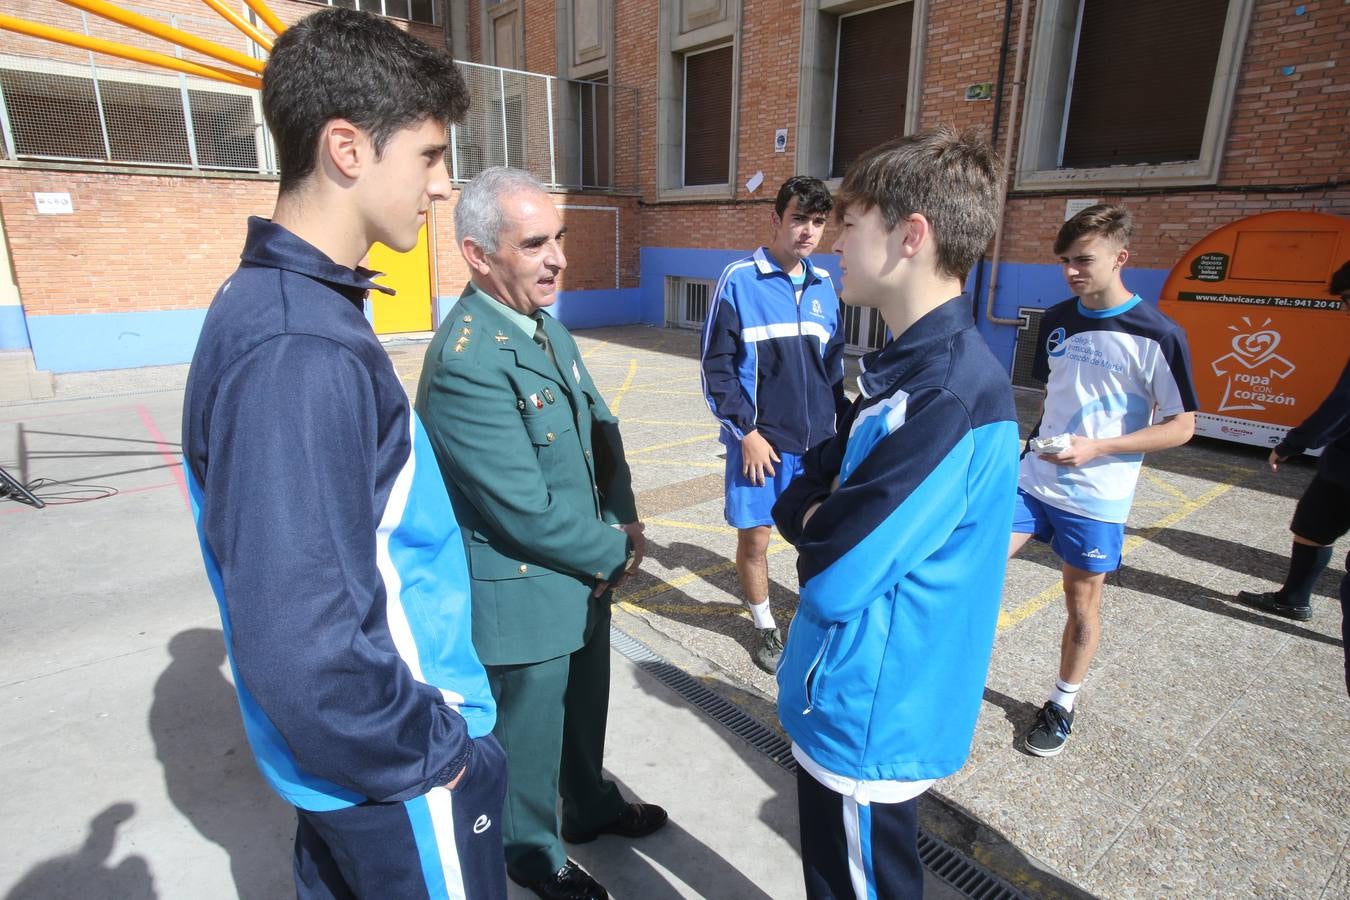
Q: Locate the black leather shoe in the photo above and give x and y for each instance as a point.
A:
(571, 882)
(1272, 602)
(637, 820)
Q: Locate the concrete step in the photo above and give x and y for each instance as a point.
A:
(20, 378)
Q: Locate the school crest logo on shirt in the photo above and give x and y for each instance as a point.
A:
(816, 310)
(1055, 343)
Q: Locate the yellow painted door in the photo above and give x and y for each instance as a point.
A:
(409, 274)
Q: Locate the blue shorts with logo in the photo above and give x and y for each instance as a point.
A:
(750, 505)
(1087, 544)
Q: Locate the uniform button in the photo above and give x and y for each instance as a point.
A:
(550, 437)
(524, 568)
(588, 454)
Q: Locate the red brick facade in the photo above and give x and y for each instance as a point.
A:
(162, 241)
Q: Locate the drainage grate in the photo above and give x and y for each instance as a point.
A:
(945, 862)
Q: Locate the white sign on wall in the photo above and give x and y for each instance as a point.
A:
(1074, 207)
(53, 204)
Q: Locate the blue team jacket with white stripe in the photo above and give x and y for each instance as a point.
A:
(901, 568)
(770, 362)
(328, 538)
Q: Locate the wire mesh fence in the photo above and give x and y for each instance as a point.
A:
(65, 105)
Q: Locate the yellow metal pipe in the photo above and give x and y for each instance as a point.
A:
(269, 18)
(165, 32)
(241, 23)
(135, 54)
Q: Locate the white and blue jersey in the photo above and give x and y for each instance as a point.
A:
(901, 567)
(773, 354)
(328, 538)
(1107, 373)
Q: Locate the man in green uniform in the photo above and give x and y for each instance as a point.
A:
(536, 471)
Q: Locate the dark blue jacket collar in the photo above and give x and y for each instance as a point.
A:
(269, 244)
(882, 368)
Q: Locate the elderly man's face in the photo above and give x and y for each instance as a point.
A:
(523, 271)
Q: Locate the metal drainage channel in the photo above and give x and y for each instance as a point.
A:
(945, 862)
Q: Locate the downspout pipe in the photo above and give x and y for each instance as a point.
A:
(1013, 107)
(993, 130)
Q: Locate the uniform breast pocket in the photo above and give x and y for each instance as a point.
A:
(547, 427)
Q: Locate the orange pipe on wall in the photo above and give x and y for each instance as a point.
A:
(241, 23)
(269, 18)
(168, 33)
(135, 54)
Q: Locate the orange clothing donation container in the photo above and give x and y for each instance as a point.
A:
(1267, 339)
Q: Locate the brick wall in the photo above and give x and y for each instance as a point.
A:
(1285, 129)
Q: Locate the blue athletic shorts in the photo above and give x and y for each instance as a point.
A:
(750, 505)
(1083, 543)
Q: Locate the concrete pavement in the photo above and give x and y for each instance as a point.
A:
(1209, 758)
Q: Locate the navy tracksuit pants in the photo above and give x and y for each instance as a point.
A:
(443, 844)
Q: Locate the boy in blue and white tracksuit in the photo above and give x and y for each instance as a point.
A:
(773, 375)
(326, 530)
(900, 524)
(1118, 384)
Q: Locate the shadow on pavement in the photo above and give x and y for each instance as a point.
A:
(86, 873)
(1019, 713)
(678, 852)
(1236, 557)
(209, 770)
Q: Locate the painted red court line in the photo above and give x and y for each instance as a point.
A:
(166, 453)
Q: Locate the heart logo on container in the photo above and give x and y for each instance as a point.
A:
(1256, 346)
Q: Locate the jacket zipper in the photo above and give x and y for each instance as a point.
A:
(801, 352)
(811, 670)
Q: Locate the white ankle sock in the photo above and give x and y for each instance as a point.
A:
(761, 614)
(1065, 694)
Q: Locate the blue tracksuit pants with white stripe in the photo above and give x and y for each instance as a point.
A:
(855, 851)
(443, 844)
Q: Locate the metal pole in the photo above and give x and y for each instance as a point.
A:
(98, 95)
(506, 146)
(454, 153)
(552, 159)
(10, 150)
(187, 106)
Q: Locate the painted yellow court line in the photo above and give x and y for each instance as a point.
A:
(1045, 597)
(710, 436)
(623, 388)
(1163, 485)
(686, 464)
(628, 601)
(683, 423)
(691, 526)
(587, 354)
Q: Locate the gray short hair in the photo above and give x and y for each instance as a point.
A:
(478, 214)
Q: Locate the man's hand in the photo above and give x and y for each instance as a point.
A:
(1082, 451)
(757, 458)
(454, 782)
(811, 510)
(635, 530)
(1275, 460)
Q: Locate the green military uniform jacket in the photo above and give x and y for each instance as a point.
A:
(535, 468)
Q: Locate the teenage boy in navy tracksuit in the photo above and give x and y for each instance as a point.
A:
(900, 522)
(326, 530)
(773, 375)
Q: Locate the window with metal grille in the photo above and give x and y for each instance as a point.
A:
(1024, 355)
(864, 329)
(424, 11)
(1106, 124)
(51, 112)
(872, 84)
(687, 302)
(594, 140)
(707, 116)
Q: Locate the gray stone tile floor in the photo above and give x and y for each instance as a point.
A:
(1209, 756)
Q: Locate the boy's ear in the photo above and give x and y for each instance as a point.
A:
(918, 231)
(1121, 257)
(343, 146)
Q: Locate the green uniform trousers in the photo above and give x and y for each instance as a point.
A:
(551, 719)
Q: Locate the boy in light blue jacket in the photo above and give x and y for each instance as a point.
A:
(900, 523)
